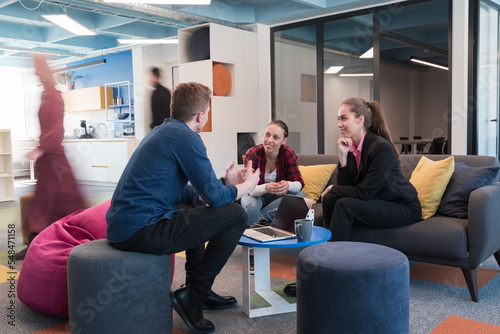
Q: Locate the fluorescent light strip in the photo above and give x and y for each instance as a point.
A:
(148, 41)
(367, 54)
(45, 52)
(65, 22)
(164, 2)
(428, 63)
(78, 66)
(356, 75)
(334, 69)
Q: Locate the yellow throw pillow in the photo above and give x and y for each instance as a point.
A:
(430, 178)
(316, 178)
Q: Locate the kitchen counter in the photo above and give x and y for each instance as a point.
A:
(99, 159)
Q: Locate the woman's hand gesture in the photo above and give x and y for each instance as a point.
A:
(344, 145)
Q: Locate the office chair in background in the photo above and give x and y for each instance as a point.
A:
(437, 145)
(405, 148)
(420, 147)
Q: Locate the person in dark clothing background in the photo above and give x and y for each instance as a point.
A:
(160, 100)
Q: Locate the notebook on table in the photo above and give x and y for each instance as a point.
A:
(282, 226)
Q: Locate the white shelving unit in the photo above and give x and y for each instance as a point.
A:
(6, 168)
(124, 92)
(235, 112)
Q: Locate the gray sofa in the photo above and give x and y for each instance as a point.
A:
(462, 243)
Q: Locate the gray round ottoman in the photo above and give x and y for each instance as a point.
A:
(352, 287)
(113, 291)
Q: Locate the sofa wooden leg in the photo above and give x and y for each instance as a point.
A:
(497, 256)
(471, 279)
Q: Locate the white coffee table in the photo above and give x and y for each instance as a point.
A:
(262, 271)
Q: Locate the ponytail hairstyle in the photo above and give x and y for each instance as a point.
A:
(374, 117)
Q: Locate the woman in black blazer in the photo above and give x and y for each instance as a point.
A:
(371, 187)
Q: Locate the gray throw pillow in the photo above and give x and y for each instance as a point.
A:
(464, 180)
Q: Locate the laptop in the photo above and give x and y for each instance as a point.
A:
(282, 226)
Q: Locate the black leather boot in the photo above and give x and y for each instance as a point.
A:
(216, 302)
(188, 303)
(291, 289)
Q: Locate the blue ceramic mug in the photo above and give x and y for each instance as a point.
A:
(303, 229)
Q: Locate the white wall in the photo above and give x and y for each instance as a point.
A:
(264, 73)
(415, 102)
(12, 97)
(459, 97)
(301, 117)
(162, 56)
(399, 96)
(434, 110)
(337, 89)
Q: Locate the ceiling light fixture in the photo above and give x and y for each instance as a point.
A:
(66, 22)
(148, 41)
(334, 69)
(45, 52)
(367, 54)
(78, 66)
(165, 2)
(428, 63)
(356, 75)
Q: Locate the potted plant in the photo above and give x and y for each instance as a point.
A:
(70, 77)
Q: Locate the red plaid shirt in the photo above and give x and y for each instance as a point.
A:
(286, 163)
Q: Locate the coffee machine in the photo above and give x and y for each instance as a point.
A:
(84, 133)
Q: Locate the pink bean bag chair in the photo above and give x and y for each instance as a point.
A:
(42, 283)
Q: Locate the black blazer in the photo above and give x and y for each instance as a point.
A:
(379, 175)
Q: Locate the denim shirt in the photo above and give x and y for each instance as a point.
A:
(156, 177)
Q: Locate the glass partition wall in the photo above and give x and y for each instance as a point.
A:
(319, 63)
(347, 69)
(488, 68)
(296, 97)
(300, 78)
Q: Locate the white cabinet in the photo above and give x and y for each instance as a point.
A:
(6, 169)
(97, 160)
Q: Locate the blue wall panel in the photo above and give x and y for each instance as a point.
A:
(118, 67)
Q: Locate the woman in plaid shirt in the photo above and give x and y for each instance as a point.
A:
(279, 173)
